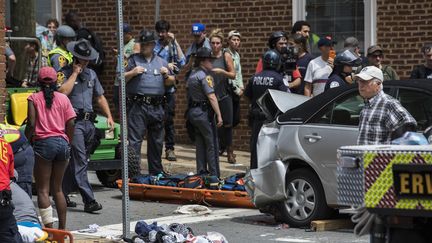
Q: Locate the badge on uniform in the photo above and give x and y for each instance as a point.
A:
(60, 78)
(62, 61)
(209, 81)
(156, 72)
(125, 63)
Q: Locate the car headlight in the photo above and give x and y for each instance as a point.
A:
(109, 134)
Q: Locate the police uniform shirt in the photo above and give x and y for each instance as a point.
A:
(334, 81)
(87, 86)
(261, 82)
(200, 84)
(58, 61)
(151, 82)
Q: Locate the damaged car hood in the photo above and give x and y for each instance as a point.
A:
(276, 102)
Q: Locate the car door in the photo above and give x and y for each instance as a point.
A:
(419, 105)
(334, 126)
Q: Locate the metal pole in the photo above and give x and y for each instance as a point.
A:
(157, 10)
(123, 124)
(29, 39)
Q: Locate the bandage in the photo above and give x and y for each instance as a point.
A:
(46, 215)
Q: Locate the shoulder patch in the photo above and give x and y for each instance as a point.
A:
(334, 84)
(209, 80)
(60, 78)
(125, 63)
(62, 61)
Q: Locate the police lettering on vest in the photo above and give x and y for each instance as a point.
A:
(259, 80)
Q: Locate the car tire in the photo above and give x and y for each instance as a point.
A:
(306, 199)
(108, 178)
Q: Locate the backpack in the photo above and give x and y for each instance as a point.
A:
(194, 181)
(234, 183)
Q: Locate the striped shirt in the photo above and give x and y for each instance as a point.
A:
(381, 116)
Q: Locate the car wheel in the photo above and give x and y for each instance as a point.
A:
(108, 178)
(306, 200)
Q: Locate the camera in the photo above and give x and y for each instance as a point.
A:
(289, 58)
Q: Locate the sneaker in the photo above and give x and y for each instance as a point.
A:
(92, 206)
(170, 155)
(69, 203)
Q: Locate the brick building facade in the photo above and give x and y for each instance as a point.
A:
(402, 26)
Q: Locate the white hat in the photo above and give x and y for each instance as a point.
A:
(370, 72)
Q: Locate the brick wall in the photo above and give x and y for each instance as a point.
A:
(254, 19)
(402, 29)
(2, 60)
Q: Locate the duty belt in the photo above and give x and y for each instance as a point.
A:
(148, 100)
(199, 104)
(86, 116)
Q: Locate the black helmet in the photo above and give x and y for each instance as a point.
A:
(274, 37)
(146, 36)
(64, 31)
(271, 60)
(347, 57)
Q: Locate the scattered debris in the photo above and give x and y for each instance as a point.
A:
(282, 226)
(193, 209)
(93, 228)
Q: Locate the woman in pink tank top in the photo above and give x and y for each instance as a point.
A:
(50, 129)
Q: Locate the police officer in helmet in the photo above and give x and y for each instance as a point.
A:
(147, 76)
(343, 68)
(60, 57)
(81, 85)
(269, 78)
(202, 108)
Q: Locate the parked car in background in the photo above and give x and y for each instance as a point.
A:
(296, 175)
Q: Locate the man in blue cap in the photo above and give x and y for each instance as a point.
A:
(200, 40)
(319, 69)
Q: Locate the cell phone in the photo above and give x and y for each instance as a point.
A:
(332, 54)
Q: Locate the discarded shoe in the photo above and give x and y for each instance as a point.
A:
(92, 206)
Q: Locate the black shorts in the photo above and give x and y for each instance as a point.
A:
(226, 108)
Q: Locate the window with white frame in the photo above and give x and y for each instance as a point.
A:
(44, 10)
(339, 19)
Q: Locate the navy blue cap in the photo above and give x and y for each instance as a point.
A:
(126, 28)
(326, 41)
(197, 28)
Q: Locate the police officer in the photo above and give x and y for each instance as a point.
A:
(259, 83)
(147, 75)
(202, 107)
(343, 68)
(81, 84)
(60, 57)
(8, 227)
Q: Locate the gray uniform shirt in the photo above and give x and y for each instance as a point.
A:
(86, 87)
(199, 84)
(25, 210)
(151, 82)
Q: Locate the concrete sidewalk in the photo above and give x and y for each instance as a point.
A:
(186, 161)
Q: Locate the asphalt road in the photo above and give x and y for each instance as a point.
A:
(237, 225)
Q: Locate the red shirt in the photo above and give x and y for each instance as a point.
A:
(6, 165)
(295, 73)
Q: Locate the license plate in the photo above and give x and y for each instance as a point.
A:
(413, 181)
